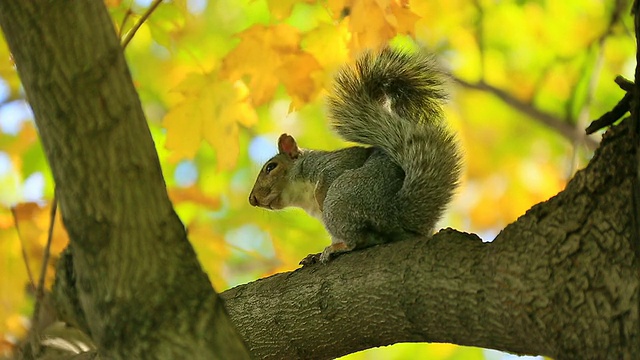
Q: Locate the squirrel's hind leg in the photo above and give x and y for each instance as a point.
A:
(360, 208)
(329, 252)
(338, 246)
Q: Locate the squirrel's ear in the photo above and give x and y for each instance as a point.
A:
(287, 145)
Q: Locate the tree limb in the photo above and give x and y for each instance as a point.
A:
(552, 122)
(618, 111)
(561, 281)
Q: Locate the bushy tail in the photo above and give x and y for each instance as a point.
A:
(392, 100)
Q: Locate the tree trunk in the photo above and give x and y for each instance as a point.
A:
(561, 281)
(136, 279)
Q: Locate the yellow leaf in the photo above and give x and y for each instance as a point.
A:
(212, 250)
(211, 110)
(246, 113)
(368, 25)
(296, 75)
(338, 36)
(16, 325)
(6, 220)
(264, 58)
(195, 195)
(184, 130)
(33, 222)
(281, 9)
(374, 23)
(402, 18)
(338, 8)
(25, 139)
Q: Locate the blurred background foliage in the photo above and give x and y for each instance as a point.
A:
(220, 80)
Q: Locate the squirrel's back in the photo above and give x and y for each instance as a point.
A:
(393, 100)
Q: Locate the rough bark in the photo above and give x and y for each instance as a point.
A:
(561, 281)
(136, 278)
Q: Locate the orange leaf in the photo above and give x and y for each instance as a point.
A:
(296, 75)
(112, 3)
(33, 221)
(23, 141)
(402, 18)
(194, 195)
(373, 23)
(368, 24)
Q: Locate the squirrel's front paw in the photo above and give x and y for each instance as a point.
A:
(310, 259)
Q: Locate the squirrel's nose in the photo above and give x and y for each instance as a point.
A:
(253, 200)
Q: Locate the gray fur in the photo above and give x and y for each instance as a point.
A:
(391, 101)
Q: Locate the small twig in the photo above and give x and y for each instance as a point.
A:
(621, 108)
(141, 21)
(34, 333)
(554, 123)
(612, 116)
(124, 22)
(24, 250)
(47, 248)
(624, 84)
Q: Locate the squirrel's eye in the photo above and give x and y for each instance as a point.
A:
(270, 167)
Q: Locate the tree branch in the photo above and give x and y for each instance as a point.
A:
(553, 283)
(139, 23)
(618, 111)
(552, 122)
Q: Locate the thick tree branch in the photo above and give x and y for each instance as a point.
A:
(561, 281)
(139, 284)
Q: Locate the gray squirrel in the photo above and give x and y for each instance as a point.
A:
(398, 186)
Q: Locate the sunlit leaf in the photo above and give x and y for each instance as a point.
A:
(212, 110)
(194, 195)
(281, 9)
(112, 3)
(260, 56)
(33, 222)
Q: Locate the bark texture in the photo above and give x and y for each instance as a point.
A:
(561, 281)
(136, 282)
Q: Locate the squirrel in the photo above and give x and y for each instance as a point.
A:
(396, 187)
